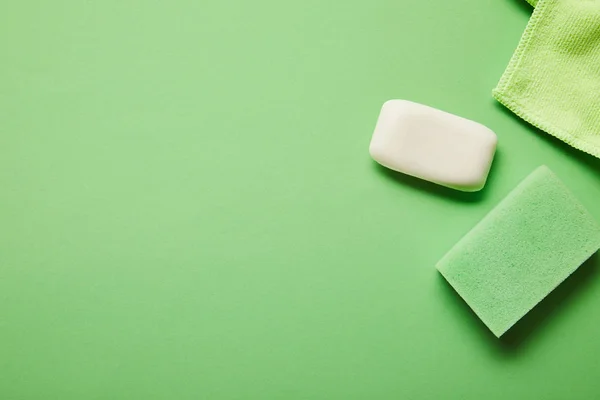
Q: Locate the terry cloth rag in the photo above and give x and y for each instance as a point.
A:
(553, 78)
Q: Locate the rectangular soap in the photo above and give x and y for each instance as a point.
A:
(433, 145)
(523, 249)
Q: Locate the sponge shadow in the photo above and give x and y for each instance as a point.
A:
(541, 315)
(435, 189)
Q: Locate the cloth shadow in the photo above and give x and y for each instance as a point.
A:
(590, 161)
(524, 6)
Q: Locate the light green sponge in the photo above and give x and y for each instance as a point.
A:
(523, 249)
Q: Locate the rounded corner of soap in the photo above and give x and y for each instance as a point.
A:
(473, 189)
(377, 153)
(394, 104)
(472, 184)
(494, 138)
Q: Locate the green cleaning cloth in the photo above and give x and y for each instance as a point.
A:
(553, 78)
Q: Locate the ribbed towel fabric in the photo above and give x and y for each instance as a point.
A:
(553, 78)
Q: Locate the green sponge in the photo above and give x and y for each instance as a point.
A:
(523, 249)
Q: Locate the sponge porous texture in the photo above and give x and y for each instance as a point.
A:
(523, 249)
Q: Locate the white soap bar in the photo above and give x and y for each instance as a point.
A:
(433, 145)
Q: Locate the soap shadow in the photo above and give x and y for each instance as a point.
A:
(435, 189)
(590, 161)
(539, 317)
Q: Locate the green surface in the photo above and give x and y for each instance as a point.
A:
(522, 250)
(188, 209)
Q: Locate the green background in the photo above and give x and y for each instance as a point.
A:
(189, 211)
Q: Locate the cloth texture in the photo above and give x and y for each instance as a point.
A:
(553, 78)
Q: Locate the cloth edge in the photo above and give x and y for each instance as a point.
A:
(501, 92)
(530, 117)
(515, 60)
